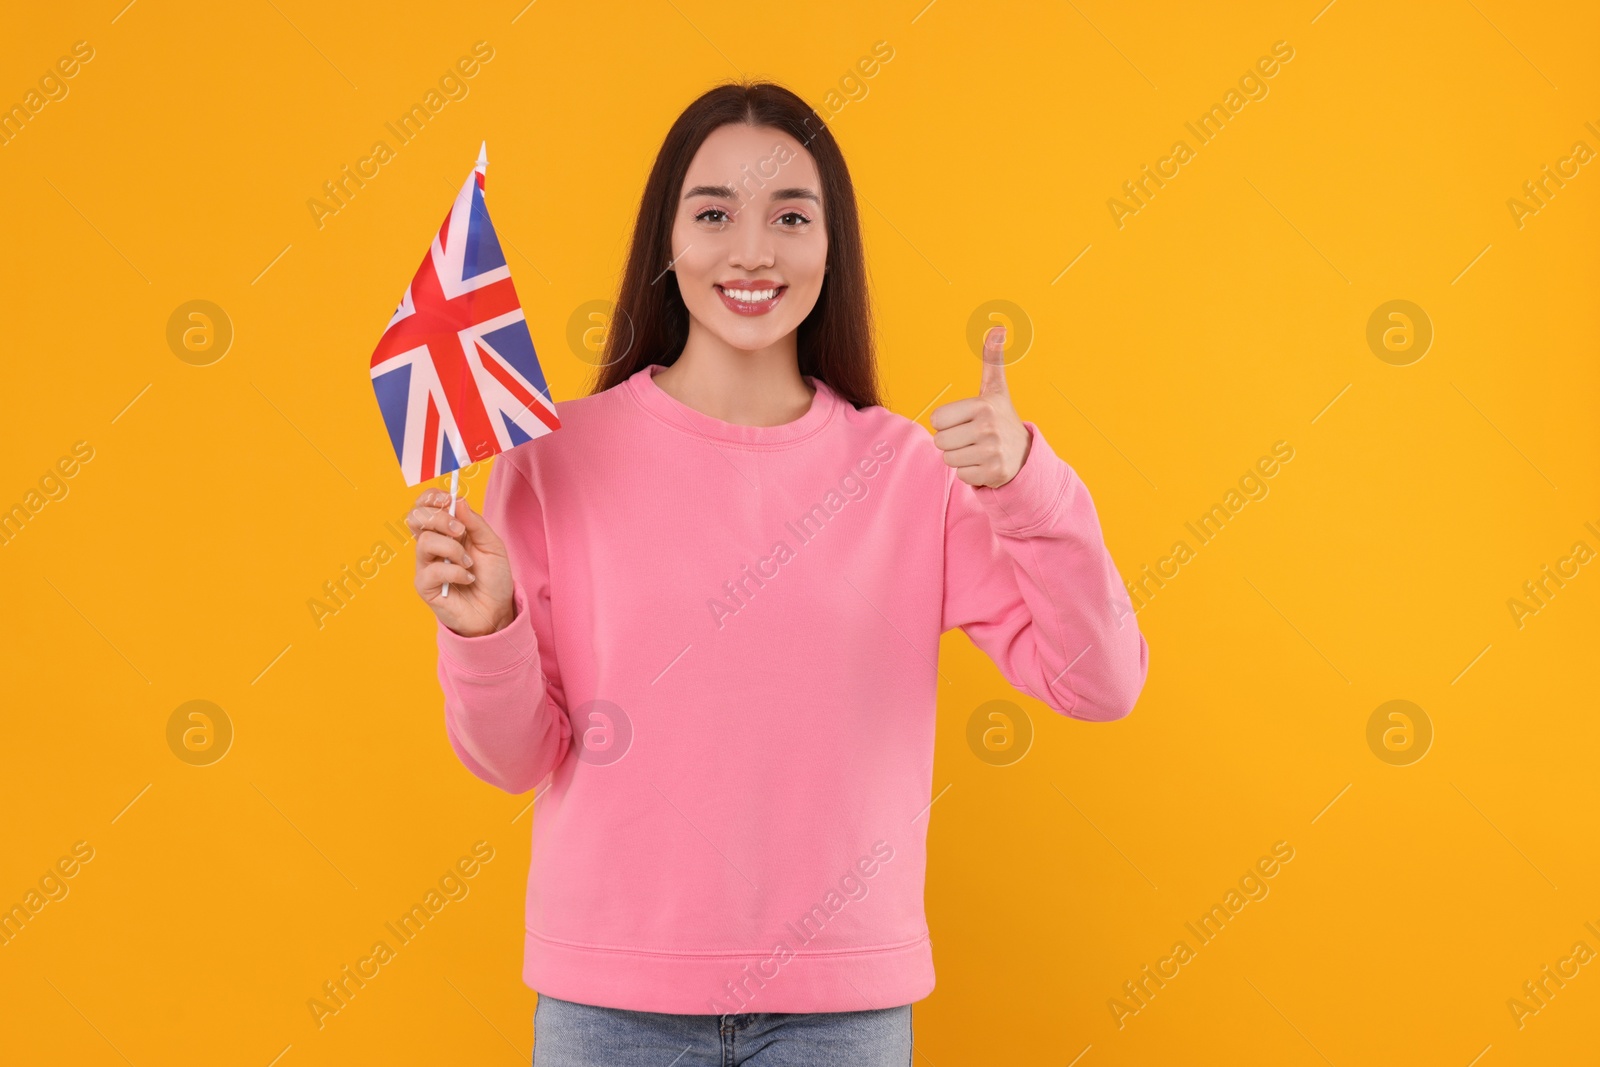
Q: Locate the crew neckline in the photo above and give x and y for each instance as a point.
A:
(680, 416)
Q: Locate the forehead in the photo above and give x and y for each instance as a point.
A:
(767, 152)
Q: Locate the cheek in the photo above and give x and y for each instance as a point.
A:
(695, 262)
(806, 260)
(802, 264)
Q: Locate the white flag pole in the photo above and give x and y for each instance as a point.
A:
(455, 475)
(455, 484)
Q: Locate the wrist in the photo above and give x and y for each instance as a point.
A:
(499, 622)
(513, 645)
(506, 617)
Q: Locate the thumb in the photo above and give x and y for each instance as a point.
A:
(994, 362)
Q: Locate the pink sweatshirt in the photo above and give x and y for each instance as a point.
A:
(724, 659)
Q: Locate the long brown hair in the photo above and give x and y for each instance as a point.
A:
(835, 340)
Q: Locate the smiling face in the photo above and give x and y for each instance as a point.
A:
(749, 243)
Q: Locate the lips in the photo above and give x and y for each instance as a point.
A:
(751, 298)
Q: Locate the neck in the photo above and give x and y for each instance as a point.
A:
(747, 388)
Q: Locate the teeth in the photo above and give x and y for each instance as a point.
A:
(751, 296)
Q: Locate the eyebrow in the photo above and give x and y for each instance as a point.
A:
(727, 193)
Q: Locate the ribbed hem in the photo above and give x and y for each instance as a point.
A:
(1029, 499)
(688, 984)
(496, 652)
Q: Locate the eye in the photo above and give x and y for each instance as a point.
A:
(701, 217)
(794, 215)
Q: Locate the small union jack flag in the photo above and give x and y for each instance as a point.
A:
(456, 375)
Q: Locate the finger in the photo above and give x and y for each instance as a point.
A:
(427, 502)
(433, 498)
(434, 575)
(976, 475)
(971, 456)
(955, 413)
(433, 518)
(994, 362)
(477, 527)
(957, 436)
(435, 546)
(431, 504)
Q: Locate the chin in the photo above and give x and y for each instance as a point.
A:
(750, 340)
(743, 334)
(747, 334)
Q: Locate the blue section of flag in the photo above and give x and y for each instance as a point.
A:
(447, 458)
(394, 393)
(483, 247)
(514, 431)
(515, 345)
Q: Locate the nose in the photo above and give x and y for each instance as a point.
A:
(753, 246)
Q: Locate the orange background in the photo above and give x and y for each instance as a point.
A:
(1228, 314)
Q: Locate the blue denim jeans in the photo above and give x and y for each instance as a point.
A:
(566, 1034)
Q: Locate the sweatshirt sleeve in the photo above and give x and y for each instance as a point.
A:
(504, 710)
(1029, 580)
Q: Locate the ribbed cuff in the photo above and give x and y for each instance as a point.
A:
(496, 652)
(1029, 499)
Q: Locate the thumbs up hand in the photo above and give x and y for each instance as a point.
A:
(982, 437)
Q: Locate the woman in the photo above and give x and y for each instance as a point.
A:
(708, 610)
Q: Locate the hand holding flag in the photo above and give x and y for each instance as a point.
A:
(480, 568)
